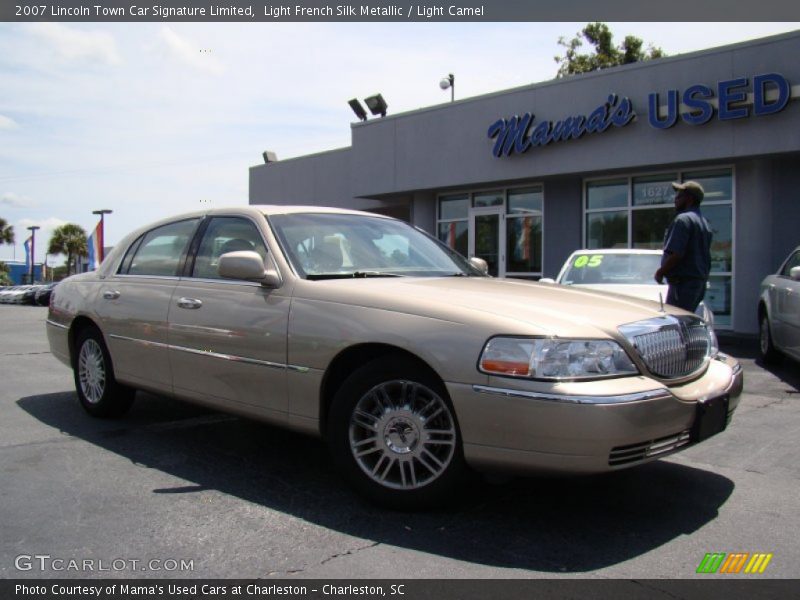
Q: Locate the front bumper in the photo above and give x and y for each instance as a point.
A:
(586, 427)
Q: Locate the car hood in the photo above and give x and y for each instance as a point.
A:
(643, 291)
(505, 306)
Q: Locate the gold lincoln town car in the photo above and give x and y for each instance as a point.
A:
(410, 361)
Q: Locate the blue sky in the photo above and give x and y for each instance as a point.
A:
(135, 118)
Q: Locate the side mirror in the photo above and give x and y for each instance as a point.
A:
(246, 264)
(547, 280)
(480, 264)
(794, 273)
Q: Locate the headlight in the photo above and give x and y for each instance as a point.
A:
(554, 358)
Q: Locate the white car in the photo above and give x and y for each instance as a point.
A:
(779, 311)
(13, 295)
(624, 271)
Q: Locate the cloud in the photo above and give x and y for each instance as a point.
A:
(189, 52)
(12, 200)
(7, 123)
(77, 45)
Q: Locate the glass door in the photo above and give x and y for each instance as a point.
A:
(486, 237)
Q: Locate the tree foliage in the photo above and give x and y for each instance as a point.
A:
(6, 232)
(5, 274)
(605, 54)
(69, 239)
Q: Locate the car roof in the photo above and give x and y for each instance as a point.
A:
(254, 210)
(618, 251)
(275, 209)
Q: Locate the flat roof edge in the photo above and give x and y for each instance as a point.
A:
(305, 156)
(591, 75)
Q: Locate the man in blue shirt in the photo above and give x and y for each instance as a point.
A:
(686, 262)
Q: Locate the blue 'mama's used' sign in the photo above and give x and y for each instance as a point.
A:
(698, 105)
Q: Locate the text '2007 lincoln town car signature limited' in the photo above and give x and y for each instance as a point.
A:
(408, 359)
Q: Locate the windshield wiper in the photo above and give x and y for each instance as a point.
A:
(353, 275)
(374, 274)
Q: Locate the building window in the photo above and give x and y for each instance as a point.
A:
(606, 225)
(635, 212)
(607, 194)
(454, 222)
(717, 207)
(524, 231)
(505, 223)
(484, 199)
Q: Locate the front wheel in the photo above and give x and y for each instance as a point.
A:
(393, 434)
(766, 349)
(98, 390)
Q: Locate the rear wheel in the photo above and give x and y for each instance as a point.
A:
(98, 390)
(766, 349)
(393, 434)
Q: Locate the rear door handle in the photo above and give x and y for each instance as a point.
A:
(111, 294)
(190, 303)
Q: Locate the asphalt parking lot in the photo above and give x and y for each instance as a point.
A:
(234, 498)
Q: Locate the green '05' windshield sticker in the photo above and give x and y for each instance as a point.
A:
(584, 260)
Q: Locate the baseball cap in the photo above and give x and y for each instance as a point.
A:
(691, 187)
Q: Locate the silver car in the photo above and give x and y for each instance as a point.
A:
(410, 361)
(779, 311)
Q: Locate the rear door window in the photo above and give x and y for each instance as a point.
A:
(160, 251)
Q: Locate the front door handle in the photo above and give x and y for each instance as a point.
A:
(190, 303)
(111, 294)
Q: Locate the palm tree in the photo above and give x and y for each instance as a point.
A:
(69, 239)
(5, 276)
(6, 232)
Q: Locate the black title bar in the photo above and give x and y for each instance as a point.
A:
(426, 589)
(397, 11)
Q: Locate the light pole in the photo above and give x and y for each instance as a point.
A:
(449, 82)
(33, 229)
(102, 212)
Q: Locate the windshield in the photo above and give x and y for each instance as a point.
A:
(333, 246)
(610, 269)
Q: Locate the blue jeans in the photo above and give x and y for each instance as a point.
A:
(686, 293)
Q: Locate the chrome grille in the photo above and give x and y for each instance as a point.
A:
(670, 346)
(632, 453)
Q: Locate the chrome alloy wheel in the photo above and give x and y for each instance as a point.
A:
(92, 371)
(402, 435)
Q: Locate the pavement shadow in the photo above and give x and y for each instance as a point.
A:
(787, 371)
(556, 525)
(746, 348)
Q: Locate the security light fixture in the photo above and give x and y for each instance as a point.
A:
(269, 157)
(358, 109)
(376, 104)
(449, 82)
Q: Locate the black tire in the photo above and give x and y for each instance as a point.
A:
(98, 390)
(417, 443)
(766, 349)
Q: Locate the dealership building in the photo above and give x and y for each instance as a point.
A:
(524, 177)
